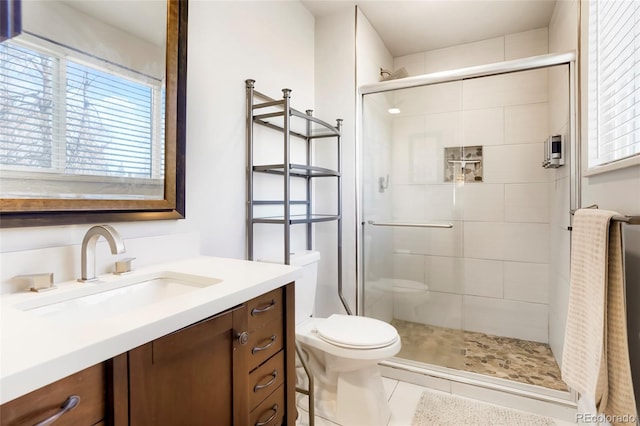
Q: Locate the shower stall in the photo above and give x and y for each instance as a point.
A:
(464, 236)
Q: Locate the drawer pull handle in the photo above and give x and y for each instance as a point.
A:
(267, 346)
(273, 416)
(68, 405)
(270, 306)
(271, 381)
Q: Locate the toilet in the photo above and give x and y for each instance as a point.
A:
(343, 354)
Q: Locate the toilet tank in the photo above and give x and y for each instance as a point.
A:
(305, 284)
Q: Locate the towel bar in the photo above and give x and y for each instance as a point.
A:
(631, 220)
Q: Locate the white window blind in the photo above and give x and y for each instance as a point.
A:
(61, 115)
(614, 80)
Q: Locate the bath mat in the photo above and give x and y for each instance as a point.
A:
(440, 409)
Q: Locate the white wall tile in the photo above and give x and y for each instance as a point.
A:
(558, 98)
(442, 202)
(408, 267)
(483, 126)
(526, 123)
(408, 202)
(484, 240)
(378, 300)
(518, 88)
(465, 55)
(483, 202)
(525, 242)
(436, 98)
(483, 277)
(527, 202)
(525, 44)
(445, 129)
(527, 282)
(430, 307)
(446, 241)
(507, 318)
(411, 157)
(514, 164)
(445, 274)
(411, 240)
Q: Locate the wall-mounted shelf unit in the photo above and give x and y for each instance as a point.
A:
(277, 114)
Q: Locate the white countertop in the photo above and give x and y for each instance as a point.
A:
(35, 351)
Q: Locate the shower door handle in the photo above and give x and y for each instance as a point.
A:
(411, 225)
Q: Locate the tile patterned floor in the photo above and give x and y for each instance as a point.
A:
(403, 401)
(503, 357)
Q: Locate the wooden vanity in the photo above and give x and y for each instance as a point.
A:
(234, 368)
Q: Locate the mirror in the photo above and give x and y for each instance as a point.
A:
(92, 113)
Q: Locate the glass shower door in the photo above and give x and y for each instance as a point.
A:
(413, 173)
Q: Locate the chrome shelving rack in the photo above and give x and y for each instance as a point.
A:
(278, 115)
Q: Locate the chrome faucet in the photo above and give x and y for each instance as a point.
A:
(88, 267)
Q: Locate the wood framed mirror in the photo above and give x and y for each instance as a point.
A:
(90, 135)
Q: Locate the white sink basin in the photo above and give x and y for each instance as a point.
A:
(104, 299)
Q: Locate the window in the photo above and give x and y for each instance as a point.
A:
(614, 80)
(79, 120)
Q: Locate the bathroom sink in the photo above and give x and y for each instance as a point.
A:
(115, 295)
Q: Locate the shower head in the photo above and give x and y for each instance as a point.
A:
(388, 75)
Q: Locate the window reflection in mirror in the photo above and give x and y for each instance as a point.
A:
(82, 106)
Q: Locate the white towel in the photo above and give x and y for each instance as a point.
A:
(595, 360)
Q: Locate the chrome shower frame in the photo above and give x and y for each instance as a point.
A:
(405, 367)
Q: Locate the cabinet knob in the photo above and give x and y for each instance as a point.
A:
(242, 338)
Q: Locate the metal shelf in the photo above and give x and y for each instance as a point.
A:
(297, 170)
(280, 116)
(297, 219)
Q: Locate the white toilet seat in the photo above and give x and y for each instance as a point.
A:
(354, 332)
(307, 333)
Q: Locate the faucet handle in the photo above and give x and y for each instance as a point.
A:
(123, 265)
(39, 282)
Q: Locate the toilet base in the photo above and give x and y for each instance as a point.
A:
(361, 399)
(356, 398)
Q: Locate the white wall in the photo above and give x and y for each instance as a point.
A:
(70, 27)
(271, 42)
(335, 87)
(349, 53)
(617, 190)
(563, 35)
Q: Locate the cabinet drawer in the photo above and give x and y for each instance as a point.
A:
(265, 309)
(265, 342)
(265, 379)
(88, 384)
(271, 411)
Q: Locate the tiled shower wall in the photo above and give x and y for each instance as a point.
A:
(490, 272)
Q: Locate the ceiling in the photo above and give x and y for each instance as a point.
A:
(408, 27)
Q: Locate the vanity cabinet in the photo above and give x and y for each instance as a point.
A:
(234, 368)
(90, 385)
(190, 376)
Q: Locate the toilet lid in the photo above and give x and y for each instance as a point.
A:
(356, 332)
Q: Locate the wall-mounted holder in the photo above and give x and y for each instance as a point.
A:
(553, 152)
(383, 184)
